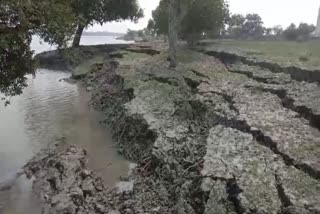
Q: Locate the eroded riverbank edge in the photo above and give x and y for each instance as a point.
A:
(202, 138)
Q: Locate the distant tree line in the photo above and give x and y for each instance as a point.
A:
(138, 35)
(302, 32)
(211, 19)
(251, 27)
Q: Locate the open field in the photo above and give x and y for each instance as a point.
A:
(300, 54)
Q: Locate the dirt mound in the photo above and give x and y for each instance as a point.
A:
(64, 184)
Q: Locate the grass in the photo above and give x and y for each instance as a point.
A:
(303, 54)
(85, 66)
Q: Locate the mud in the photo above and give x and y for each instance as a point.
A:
(69, 58)
(206, 137)
(63, 182)
(143, 49)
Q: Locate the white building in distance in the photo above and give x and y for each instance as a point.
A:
(316, 33)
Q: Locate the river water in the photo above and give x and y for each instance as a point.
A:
(49, 109)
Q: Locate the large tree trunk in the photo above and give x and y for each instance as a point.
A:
(77, 36)
(173, 36)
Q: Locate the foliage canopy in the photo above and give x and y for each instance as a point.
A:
(54, 21)
(89, 12)
(19, 20)
(194, 17)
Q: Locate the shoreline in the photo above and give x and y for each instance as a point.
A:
(185, 129)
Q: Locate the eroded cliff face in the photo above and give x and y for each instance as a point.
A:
(207, 137)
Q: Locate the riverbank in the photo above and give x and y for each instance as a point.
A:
(51, 108)
(208, 137)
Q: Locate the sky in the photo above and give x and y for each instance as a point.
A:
(273, 12)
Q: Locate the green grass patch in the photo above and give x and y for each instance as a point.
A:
(85, 67)
(303, 54)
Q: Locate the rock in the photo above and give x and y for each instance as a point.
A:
(114, 212)
(85, 174)
(100, 208)
(124, 186)
(218, 202)
(157, 209)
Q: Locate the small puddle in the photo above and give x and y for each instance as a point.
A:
(50, 109)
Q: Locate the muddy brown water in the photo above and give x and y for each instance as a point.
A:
(48, 110)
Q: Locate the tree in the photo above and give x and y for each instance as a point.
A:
(302, 32)
(253, 26)
(160, 18)
(268, 31)
(236, 23)
(291, 32)
(19, 20)
(236, 20)
(89, 12)
(203, 16)
(277, 30)
(193, 17)
(151, 27)
(189, 19)
(173, 35)
(305, 30)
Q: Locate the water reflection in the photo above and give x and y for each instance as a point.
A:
(49, 109)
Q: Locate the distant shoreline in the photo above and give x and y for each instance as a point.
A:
(102, 34)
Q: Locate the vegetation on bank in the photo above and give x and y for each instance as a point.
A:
(251, 26)
(54, 21)
(19, 20)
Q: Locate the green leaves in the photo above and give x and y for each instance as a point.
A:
(52, 20)
(89, 12)
(15, 61)
(247, 26)
(195, 17)
(160, 17)
(203, 16)
(55, 21)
